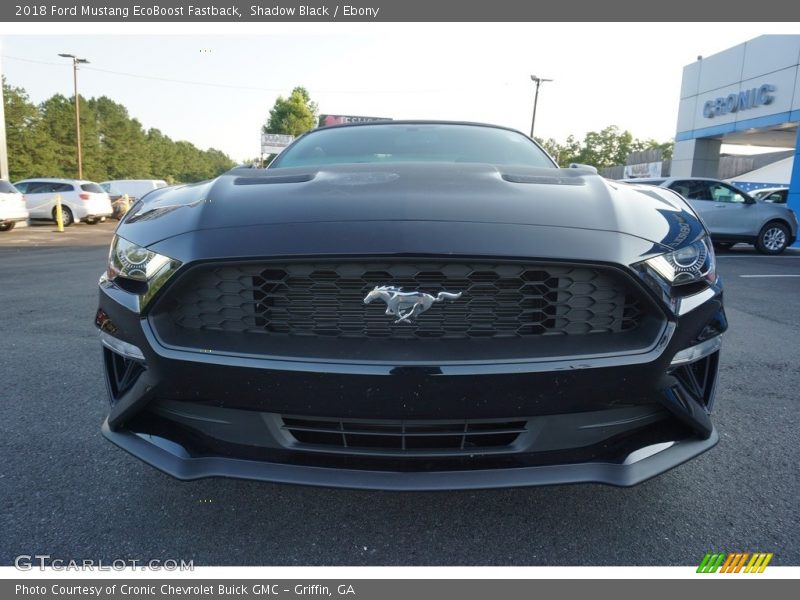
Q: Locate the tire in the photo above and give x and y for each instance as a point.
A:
(92, 221)
(66, 216)
(773, 238)
(7, 226)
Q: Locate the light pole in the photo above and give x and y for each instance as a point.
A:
(538, 81)
(75, 62)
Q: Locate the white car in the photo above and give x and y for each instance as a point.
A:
(134, 188)
(776, 195)
(80, 200)
(12, 206)
(125, 192)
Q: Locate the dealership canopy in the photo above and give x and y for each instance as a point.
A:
(748, 95)
(775, 174)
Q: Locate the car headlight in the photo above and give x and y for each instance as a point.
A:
(137, 269)
(689, 264)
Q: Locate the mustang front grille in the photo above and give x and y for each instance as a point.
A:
(318, 309)
(327, 300)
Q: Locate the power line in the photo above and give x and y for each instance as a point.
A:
(151, 77)
(185, 82)
(30, 60)
(226, 85)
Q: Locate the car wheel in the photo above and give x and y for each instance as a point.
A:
(7, 226)
(773, 238)
(66, 216)
(723, 245)
(92, 221)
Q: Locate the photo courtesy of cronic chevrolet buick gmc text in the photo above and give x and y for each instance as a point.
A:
(732, 216)
(412, 306)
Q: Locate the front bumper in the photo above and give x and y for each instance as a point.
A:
(638, 466)
(101, 214)
(13, 218)
(91, 210)
(617, 420)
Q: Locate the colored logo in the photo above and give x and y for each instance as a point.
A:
(735, 562)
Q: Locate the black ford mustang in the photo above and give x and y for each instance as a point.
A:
(412, 305)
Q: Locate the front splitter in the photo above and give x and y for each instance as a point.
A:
(641, 465)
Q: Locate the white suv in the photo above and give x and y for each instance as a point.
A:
(80, 200)
(12, 206)
(134, 188)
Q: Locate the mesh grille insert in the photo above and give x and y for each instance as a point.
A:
(327, 300)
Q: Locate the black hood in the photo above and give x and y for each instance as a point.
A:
(408, 192)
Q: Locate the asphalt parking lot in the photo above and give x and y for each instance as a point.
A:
(66, 492)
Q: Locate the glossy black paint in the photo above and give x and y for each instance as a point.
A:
(404, 193)
(404, 210)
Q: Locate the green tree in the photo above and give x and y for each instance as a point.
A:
(123, 141)
(58, 124)
(41, 143)
(217, 162)
(601, 149)
(30, 149)
(651, 144)
(564, 154)
(160, 158)
(606, 148)
(293, 115)
(551, 146)
(92, 155)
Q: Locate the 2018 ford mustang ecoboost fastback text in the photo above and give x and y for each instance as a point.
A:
(412, 305)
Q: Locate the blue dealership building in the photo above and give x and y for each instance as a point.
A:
(748, 94)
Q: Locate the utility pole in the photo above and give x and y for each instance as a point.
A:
(538, 81)
(75, 62)
(3, 145)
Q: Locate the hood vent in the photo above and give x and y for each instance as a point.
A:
(543, 179)
(273, 179)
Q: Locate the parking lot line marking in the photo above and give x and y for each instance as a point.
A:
(756, 256)
(760, 276)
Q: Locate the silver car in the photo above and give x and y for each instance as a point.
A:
(731, 215)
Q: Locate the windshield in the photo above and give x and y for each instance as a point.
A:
(388, 143)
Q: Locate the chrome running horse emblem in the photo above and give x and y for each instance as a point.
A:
(407, 306)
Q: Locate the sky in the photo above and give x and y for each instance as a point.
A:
(213, 85)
